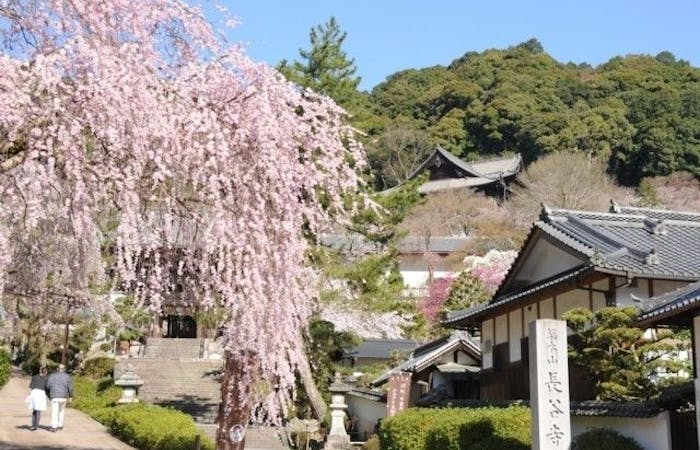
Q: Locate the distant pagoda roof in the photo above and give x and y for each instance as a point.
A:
(447, 171)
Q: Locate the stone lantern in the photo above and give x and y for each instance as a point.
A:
(130, 384)
(338, 438)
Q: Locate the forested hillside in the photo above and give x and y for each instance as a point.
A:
(638, 113)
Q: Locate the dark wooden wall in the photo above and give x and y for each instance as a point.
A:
(511, 381)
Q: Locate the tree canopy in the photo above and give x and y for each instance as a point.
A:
(638, 113)
(325, 67)
(208, 165)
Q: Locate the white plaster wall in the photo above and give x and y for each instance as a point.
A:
(501, 329)
(439, 379)
(530, 313)
(418, 262)
(570, 300)
(367, 412)
(464, 358)
(623, 295)
(547, 309)
(416, 279)
(544, 261)
(515, 333)
(598, 301)
(651, 433)
(487, 344)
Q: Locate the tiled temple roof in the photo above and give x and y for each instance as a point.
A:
(632, 242)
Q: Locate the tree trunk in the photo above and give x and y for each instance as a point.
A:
(64, 350)
(233, 412)
(315, 398)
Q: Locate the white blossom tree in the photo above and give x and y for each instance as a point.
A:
(135, 109)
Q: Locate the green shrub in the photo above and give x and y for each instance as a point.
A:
(372, 443)
(604, 439)
(90, 395)
(457, 429)
(147, 427)
(150, 427)
(5, 367)
(98, 367)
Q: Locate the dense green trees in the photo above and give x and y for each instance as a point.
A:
(639, 113)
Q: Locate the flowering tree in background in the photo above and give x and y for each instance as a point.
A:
(491, 268)
(431, 304)
(153, 138)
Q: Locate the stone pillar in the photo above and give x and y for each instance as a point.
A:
(549, 385)
(696, 370)
(338, 437)
(399, 392)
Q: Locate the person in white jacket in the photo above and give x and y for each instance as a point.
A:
(37, 396)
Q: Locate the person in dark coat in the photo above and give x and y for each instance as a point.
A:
(60, 389)
(37, 396)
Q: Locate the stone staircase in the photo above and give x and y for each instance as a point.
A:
(163, 348)
(174, 375)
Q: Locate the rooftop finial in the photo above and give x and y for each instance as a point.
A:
(652, 258)
(546, 211)
(615, 207)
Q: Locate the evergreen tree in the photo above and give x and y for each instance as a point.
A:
(626, 363)
(325, 67)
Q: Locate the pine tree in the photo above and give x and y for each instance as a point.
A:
(325, 67)
(626, 362)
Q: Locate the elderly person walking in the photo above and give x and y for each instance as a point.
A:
(60, 389)
(37, 396)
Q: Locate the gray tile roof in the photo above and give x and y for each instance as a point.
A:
(426, 355)
(636, 242)
(381, 348)
(471, 313)
(409, 244)
(369, 394)
(492, 169)
(671, 303)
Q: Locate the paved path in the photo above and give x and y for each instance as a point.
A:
(80, 431)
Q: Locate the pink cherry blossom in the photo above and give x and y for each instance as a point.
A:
(135, 123)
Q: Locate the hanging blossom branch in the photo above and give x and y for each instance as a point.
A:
(138, 110)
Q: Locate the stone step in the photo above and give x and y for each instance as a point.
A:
(173, 348)
(190, 385)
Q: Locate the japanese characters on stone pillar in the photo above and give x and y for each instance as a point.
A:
(399, 392)
(696, 381)
(549, 385)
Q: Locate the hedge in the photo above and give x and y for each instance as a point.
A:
(604, 439)
(150, 427)
(5, 367)
(99, 367)
(144, 426)
(457, 429)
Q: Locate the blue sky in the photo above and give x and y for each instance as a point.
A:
(385, 36)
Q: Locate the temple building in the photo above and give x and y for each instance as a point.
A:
(577, 259)
(629, 256)
(446, 171)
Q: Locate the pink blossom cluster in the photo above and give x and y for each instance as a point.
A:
(438, 291)
(491, 268)
(134, 124)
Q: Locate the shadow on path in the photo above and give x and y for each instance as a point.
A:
(11, 446)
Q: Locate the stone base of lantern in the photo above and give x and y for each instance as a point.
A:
(128, 396)
(337, 442)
